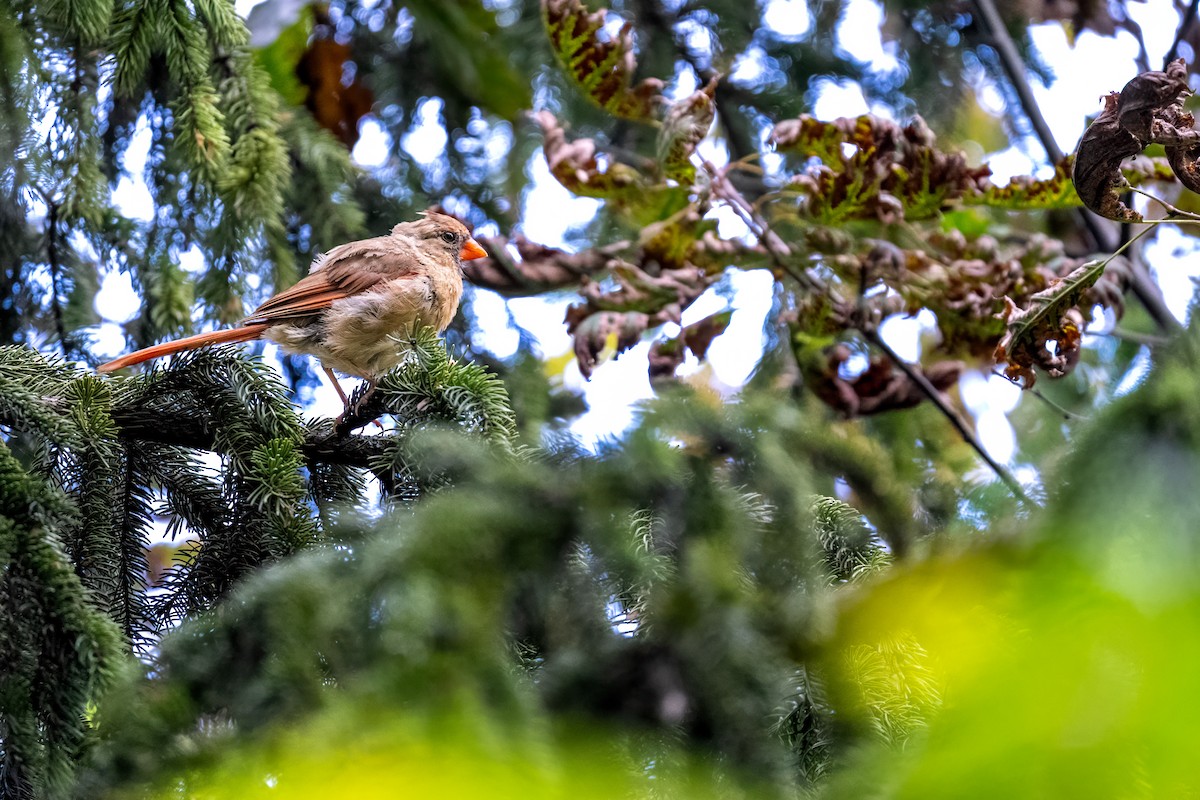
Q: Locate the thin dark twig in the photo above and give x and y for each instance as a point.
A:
(52, 258)
(776, 248)
(1143, 287)
(939, 400)
(1142, 59)
(1145, 339)
(778, 251)
(1066, 414)
(1185, 24)
(1002, 43)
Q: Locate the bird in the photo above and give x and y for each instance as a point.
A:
(357, 299)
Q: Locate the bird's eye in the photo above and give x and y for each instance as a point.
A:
(448, 237)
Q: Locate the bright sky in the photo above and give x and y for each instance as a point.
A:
(1085, 70)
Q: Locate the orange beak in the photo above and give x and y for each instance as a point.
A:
(472, 250)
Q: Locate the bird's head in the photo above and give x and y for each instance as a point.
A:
(436, 230)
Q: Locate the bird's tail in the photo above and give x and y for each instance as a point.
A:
(242, 334)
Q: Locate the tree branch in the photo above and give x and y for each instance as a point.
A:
(1143, 287)
(778, 252)
(52, 260)
(320, 445)
(938, 399)
(1185, 24)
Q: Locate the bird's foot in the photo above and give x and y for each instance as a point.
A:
(353, 412)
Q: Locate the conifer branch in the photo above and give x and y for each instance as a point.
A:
(320, 446)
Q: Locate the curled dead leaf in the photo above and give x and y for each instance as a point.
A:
(1148, 110)
(614, 331)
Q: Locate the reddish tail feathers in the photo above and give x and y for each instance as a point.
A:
(242, 334)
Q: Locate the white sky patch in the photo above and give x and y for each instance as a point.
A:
(1009, 163)
(108, 339)
(117, 300)
(839, 100)
(736, 352)
(551, 210)
(789, 19)
(981, 393)
(730, 224)
(996, 435)
(714, 151)
(611, 394)
(1139, 368)
(543, 317)
(697, 36)
(904, 333)
(373, 145)
(990, 398)
(492, 315)
(427, 140)
(682, 86)
(1158, 21)
(749, 66)
(858, 35)
(132, 199)
(193, 261)
(1076, 92)
(1175, 253)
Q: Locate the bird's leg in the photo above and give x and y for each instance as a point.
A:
(342, 394)
(345, 399)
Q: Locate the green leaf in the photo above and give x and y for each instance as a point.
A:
(462, 36)
(279, 59)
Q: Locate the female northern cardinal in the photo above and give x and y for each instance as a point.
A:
(354, 300)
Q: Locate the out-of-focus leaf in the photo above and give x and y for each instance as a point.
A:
(1058, 191)
(1023, 191)
(603, 70)
(579, 168)
(667, 354)
(1148, 110)
(463, 37)
(605, 334)
(280, 58)
(687, 122)
(575, 166)
(337, 106)
(699, 335)
(359, 752)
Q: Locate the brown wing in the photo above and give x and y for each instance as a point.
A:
(345, 271)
